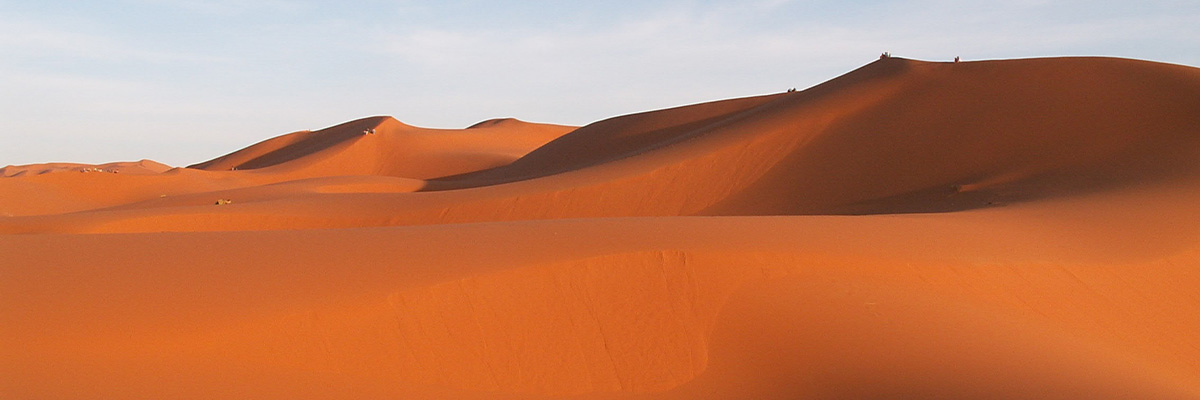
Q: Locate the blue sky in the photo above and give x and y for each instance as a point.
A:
(181, 81)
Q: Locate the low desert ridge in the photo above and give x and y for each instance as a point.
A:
(992, 229)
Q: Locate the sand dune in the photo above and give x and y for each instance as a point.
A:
(142, 167)
(995, 229)
(385, 146)
(393, 150)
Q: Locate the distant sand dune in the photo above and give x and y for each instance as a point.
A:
(909, 230)
(136, 168)
(395, 150)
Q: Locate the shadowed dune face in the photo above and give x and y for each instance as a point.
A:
(969, 135)
(612, 139)
(996, 229)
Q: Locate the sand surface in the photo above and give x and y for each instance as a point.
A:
(994, 229)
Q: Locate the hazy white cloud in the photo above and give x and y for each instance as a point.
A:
(220, 74)
(46, 38)
(231, 7)
(49, 38)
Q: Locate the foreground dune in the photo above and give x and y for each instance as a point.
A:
(998, 229)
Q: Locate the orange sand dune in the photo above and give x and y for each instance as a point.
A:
(385, 146)
(394, 150)
(138, 168)
(997, 229)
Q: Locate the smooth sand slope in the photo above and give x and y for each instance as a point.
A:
(997, 229)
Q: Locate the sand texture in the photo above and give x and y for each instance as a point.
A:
(909, 230)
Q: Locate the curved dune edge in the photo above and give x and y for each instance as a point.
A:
(1000, 229)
